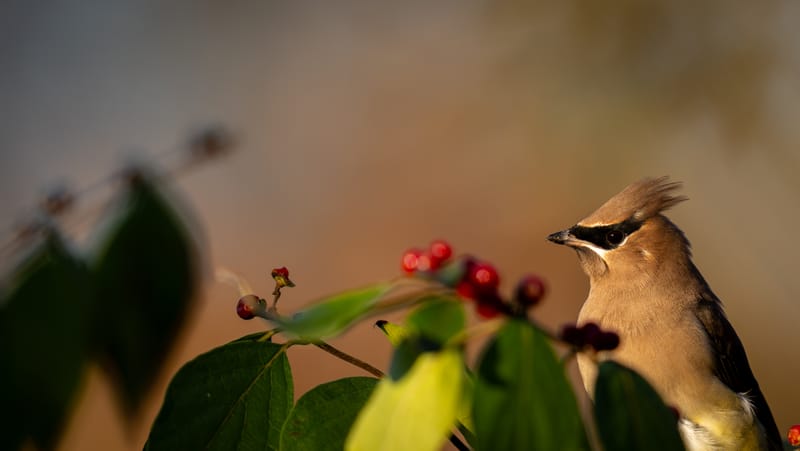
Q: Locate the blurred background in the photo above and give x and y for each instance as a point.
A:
(365, 129)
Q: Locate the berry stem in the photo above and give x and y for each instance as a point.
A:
(391, 301)
(565, 359)
(276, 294)
(482, 328)
(269, 334)
(349, 358)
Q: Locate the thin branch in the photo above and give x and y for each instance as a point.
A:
(349, 359)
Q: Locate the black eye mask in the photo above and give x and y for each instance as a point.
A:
(606, 237)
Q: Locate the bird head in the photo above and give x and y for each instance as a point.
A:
(628, 236)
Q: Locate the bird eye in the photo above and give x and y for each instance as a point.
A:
(615, 237)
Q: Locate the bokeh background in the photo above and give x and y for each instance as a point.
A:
(366, 128)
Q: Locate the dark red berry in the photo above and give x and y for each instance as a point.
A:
(466, 290)
(530, 290)
(280, 272)
(440, 251)
(590, 332)
(483, 276)
(410, 260)
(246, 306)
(490, 304)
(487, 310)
(573, 335)
(605, 341)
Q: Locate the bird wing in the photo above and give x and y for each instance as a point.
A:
(731, 365)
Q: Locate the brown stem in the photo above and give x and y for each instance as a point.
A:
(276, 293)
(349, 359)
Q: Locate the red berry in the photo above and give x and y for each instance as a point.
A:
(484, 277)
(440, 251)
(530, 290)
(246, 305)
(425, 262)
(410, 260)
(280, 272)
(794, 435)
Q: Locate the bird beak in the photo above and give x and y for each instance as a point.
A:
(562, 237)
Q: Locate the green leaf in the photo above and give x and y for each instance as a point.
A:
(428, 328)
(146, 277)
(323, 416)
(464, 416)
(630, 414)
(414, 413)
(437, 319)
(522, 398)
(441, 319)
(235, 397)
(332, 316)
(43, 345)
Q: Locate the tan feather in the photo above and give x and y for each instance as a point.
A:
(639, 201)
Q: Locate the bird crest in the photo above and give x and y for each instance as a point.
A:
(639, 201)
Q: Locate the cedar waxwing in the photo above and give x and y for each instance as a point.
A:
(673, 331)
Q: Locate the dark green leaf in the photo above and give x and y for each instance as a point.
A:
(43, 345)
(523, 399)
(406, 353)
(332, 316)
(323, 416)
(235, 397)
(630, 414)
(146, 276)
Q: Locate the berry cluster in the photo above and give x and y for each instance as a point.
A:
(589, 336)
(418, 260)
(473, 279)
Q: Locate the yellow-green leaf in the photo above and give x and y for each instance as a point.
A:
(414, 413)
(396, 333)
